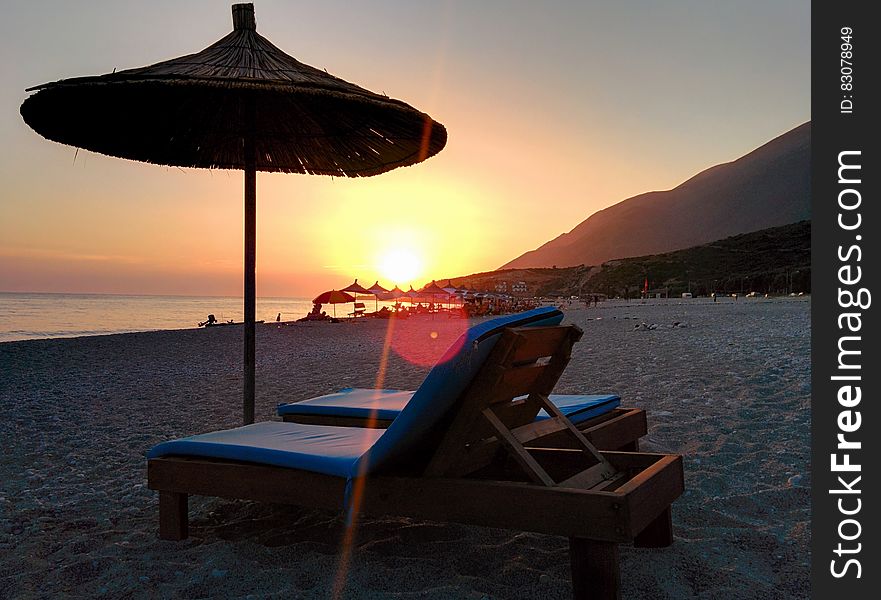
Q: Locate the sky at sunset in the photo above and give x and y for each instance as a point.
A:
(554, 111)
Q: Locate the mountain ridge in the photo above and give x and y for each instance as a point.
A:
(767, 187)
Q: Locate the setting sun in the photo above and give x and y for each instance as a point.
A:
(400, 265)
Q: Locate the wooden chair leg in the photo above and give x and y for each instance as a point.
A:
(173, 516)
(658, 534)
(596, 573)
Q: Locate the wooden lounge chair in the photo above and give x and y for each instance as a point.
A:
(360, 308)
(598, 416)
(479, 460)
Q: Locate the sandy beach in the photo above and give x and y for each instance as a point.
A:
(728, 387)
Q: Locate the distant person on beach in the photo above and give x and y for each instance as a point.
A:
(211, 321)
(316, 314)
(278, 318)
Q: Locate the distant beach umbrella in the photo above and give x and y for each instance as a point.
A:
(411, 294)
(449, 288)
(377, 291)
(397, 293)
(333, 297)
(356, 288)
(244, 104)
(433, 290)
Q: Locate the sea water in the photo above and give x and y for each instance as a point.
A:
(34, 316)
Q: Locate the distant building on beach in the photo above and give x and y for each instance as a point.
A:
(501, 287)
(519, 288)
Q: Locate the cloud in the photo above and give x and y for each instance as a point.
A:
(60, 255)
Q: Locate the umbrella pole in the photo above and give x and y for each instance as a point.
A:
(250, 279)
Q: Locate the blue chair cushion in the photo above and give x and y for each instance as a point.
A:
(317, 448)
(358, 403)
(361, 403)
(580, 408)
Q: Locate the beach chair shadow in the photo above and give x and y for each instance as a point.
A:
(480, 460)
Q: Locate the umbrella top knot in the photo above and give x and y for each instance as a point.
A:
(243, 17)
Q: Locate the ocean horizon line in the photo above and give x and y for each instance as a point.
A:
(27, 315)
(145, 295)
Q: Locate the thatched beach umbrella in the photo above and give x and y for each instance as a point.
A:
(411, 294)
(377, 291)
(356, 288)
(397, 293)
(244, 104)
(433, 290)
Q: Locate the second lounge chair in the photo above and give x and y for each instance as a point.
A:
(598, 416)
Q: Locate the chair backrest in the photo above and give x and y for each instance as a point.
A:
(493, 414)
(417, 429)
(359, 305)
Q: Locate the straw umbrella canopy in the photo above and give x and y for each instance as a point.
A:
(433, 290)
(333, 297)
(240, 103)
(356, 288)
(377, 290)
(450, 289)
(397, 293)
(411, 294)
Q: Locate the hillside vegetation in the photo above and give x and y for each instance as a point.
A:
(775, 261)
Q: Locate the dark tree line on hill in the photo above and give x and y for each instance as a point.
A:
(773, 261)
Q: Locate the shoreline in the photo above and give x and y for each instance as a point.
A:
(575, 306)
